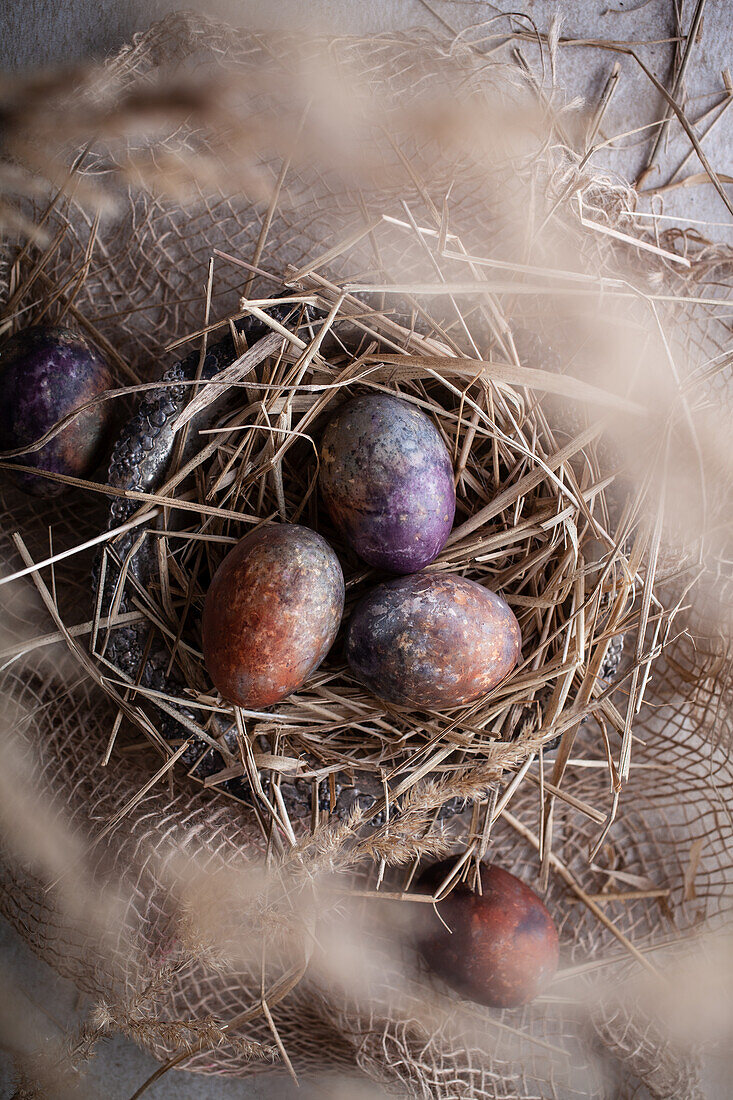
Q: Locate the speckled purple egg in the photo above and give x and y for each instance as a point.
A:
(432, 640)
(46, 373)
(271, 614)
(387, 480)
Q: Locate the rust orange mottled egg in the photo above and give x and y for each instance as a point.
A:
(432, 640)
(387, 481)
(271, 614)
(502, 947)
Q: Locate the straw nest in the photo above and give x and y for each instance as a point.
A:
(536, 521)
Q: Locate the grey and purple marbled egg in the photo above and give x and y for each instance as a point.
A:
(46, 373)
(432, 640)
(271, 614)
(387, 481)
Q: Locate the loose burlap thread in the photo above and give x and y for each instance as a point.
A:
(672, 830)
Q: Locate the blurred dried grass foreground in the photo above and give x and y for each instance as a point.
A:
(434, 201)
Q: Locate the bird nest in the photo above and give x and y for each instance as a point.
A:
(475, 268)
(534, 523)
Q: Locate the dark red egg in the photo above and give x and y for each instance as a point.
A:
(387, 480)
(502, 947)
(271, 614)
(432, 640)
(45, 374)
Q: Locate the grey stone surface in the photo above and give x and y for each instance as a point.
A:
(44, 32)
(42, 1004)
(34, 32)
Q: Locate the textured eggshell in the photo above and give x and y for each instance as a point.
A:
(46, 373)
(502, 947)
(387, 481)
(271, 614)
(432, 640)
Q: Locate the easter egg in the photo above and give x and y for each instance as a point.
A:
(271, 614)
(387, 480)
(432, 640)
(46, 373)
(502, 947)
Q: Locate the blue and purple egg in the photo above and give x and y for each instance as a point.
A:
(45, 374)
(387, 480)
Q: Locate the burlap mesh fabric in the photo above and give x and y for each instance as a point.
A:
(672, 816)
